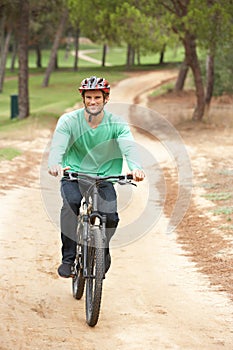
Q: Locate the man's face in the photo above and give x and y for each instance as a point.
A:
(94, 100)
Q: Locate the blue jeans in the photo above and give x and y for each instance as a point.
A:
(71, 192)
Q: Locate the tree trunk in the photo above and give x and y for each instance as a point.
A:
(3, 58)
(104, 55)
(38, 56)
(161, 60)
(2, 32)
(192, 61)
(209, 80)
(132, 60)
(181, 77)
(56, 66)
(138, 57)
(53, 55)
(128, 57)
(23, 36)
(14, 54)
(76, 46)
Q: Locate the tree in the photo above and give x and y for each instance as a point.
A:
(17, 12)
(7, 16)
(137, 24)
(23, 36)
(4, 51)
(44, 18)
(97, 27)
(56, 42)
(76, 48)
(132, 27)
(202, 21)
(181, 77)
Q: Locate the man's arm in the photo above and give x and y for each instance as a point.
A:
(129, 149)
(58, 148)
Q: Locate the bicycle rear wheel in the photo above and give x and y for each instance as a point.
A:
(94, 282)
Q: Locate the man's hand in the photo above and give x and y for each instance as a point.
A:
(57, 170)
(138, 175)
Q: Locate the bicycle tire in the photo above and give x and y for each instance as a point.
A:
(78, 282)
(94, 282)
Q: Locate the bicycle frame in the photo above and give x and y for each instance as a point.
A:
(91, 244)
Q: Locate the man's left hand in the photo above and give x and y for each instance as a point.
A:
(138, 175)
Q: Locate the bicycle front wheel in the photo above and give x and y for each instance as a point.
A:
(78, 282)
(94, 282)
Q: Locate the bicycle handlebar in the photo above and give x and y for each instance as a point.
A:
(72, 175)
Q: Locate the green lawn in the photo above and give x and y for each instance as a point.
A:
(62, 91)
(117, 56)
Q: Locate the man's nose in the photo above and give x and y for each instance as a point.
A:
(93, 100)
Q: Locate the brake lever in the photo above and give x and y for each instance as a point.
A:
(126, 182)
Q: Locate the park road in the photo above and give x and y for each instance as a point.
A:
(154, 297)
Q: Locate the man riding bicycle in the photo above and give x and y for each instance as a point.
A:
(94, 141)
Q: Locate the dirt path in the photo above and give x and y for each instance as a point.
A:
(83, 54)
(154, 297)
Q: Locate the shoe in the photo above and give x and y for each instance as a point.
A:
(107, 261)
(66, 270)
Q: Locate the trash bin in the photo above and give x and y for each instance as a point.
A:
(14, 106)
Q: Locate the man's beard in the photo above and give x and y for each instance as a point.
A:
(91, 114)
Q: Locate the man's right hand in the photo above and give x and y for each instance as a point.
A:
(57, 170)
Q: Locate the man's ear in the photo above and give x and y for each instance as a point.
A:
(106, 99)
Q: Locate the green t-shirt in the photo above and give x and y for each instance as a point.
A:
(98, 151)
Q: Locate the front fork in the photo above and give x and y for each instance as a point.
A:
(88, 231)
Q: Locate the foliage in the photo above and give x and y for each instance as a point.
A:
(210, 21)
(224, 71)
(147, 26)
(8, 153)
(97, 27)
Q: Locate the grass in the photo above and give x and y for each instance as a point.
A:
(228, 172)
(8, 153)
(221, 196)
(61, 93)
(223, 210)
(62, 90)
(162, 89)
(209, 186)
(117, 56)
(226, 227)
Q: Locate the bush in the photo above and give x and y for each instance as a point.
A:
(223, 71)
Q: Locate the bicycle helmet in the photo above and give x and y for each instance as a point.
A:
(94, 83)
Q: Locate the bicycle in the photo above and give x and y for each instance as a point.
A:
(89, 266)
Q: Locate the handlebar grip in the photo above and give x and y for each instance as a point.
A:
(125, 177)
(66, 174)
